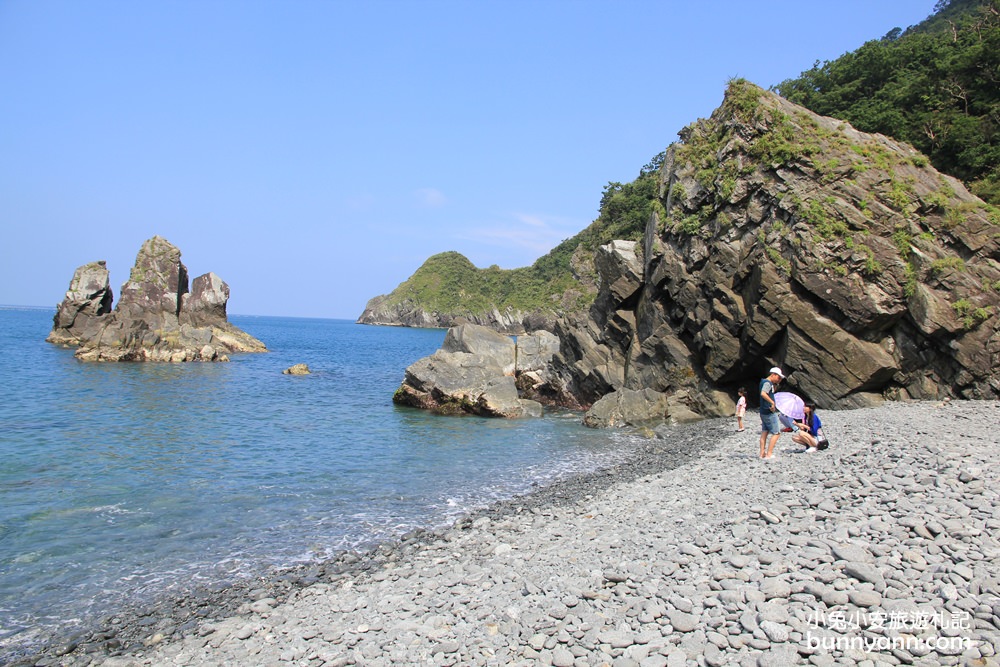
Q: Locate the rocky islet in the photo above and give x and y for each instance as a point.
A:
(159, 316)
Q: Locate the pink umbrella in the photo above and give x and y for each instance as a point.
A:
(791, 405)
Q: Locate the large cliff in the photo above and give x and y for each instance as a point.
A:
(783, 237)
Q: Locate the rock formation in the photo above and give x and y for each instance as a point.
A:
(81, 314)
(383, 311)
(157, 318)
(473, 373)
(780, 237)
(787, 238)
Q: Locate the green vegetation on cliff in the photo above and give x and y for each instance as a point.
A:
(450, 283)
(624, 210)
(935, 86)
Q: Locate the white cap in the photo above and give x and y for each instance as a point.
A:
(777, 371)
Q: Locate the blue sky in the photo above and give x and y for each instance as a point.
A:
(314, 154)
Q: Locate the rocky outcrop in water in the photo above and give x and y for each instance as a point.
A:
(474, 371)
(88, 300)
(382, 311)
(158, 318)
(448, 290)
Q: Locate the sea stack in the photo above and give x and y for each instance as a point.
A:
(158, 318)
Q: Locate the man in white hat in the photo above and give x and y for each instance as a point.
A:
(770, 424)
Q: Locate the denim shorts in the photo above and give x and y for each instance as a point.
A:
(770, 423)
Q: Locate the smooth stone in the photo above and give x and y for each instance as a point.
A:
(617, 639)
(770, 517)
(775, 588)
(776, 632)
(714, 657)
(772, 612)
(851, 552)
(835, 598)
(682, 621)
(778, 657)
(864, 598)
(867, 573)
(561, 657)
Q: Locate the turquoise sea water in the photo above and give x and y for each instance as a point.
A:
(124, 482)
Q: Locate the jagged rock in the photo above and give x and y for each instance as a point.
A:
(448, 290)
(383, 310)
(155, 283)
(533, 375)
(205, 304)
(380, 310)
(619, 267)
(932, 313)
(473, 373)
(297, 369)
(156, 318)
(87, 301)
(535, 350)
(497, 349)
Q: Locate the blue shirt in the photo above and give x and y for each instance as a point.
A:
(766, 388)
(814, 425)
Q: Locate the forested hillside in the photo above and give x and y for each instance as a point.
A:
(935, 86)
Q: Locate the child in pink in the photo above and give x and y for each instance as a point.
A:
(741, 408)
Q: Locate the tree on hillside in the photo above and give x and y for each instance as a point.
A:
(935, 85)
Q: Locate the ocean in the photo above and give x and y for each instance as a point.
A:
(125, 483)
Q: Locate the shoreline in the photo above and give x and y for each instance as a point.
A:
(693, 549)
(133, 625)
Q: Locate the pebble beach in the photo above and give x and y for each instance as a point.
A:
(882, 550)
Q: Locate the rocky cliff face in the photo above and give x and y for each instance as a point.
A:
(784, 238)
(157, 317)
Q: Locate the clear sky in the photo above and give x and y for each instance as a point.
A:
(314, 154)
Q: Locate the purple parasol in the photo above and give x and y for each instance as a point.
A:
(790, 404)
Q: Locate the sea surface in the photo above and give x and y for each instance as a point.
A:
(125, 482)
